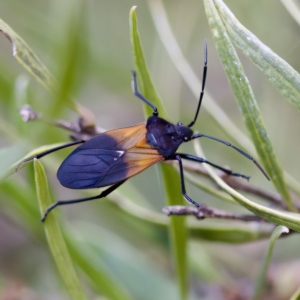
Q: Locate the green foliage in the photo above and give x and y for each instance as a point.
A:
(27, 58)
(262, 278)
(123, 247)
(244, 94)
(55, 238)
(253, 120)
(177, 230)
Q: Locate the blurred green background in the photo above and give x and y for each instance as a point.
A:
(135, 254)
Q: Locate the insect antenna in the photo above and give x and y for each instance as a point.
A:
(235, 148)
(203, 85)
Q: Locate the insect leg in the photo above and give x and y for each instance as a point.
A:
(47, 152)
(199, 135)
(140, 96)
(183, 191)
(64, 202)
(202, 160)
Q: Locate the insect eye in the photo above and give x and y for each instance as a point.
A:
(179, 124)
(185, 138)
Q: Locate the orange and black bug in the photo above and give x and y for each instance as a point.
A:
(112, 157)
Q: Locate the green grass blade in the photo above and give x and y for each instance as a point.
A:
(178, 232)
(27, 58)
(55, 238)
(31, 62)
(246, 101)
(284, 78)
(143, 75)
(12, 168)
(261, 281)
(100, 278)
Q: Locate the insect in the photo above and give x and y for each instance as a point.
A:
(110, 158)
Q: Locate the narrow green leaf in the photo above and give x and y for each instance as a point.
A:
(19, 165)
(178, 232)
(246, 101)
(27, 58)
(285, 79)
(7, 157)
(261, 280)
(55, 238)
(30, 61)
(143, 76)
(290, 220)
(101, 279)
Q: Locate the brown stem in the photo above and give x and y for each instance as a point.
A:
(204, 212)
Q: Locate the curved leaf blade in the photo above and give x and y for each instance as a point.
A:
(177, 227)
(284, 78)
(55, 238)
(27, 58)
(261, 281)
(246, 101)
(143, 78)
(31, 62)
(95, 271)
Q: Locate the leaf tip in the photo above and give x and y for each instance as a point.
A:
(132, 16)
(36, 163)
(132, 10)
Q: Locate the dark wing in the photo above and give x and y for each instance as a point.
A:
(108, 158)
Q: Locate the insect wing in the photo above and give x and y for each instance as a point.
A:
(108, 158)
